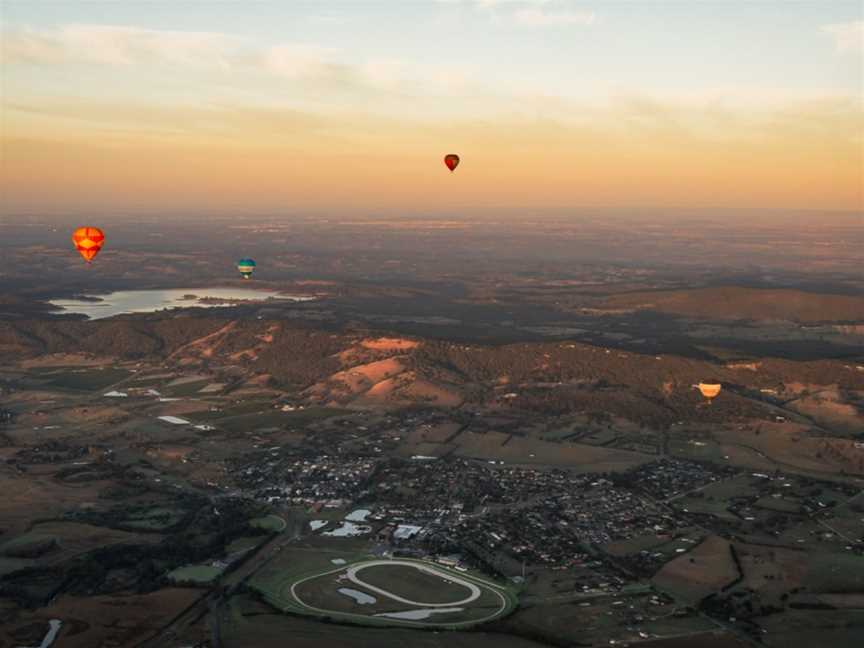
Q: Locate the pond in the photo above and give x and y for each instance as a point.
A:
(417, 615)
(362, 598)
(148, 301)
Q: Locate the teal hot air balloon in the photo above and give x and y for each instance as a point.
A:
(246, 267)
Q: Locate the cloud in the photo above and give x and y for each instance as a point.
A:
(304, 76)
(494, 3)
(848, 37)
(486, 4)
(115, 45)
(330, 19)
(120, 46)
(298, 61)
(540, 18)
(532, 13)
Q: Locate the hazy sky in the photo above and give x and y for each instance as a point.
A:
(194, 104)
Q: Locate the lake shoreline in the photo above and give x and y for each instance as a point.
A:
(98, 305)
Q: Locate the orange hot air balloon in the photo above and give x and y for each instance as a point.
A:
(452, 161)
(710, 390)
(88, 241)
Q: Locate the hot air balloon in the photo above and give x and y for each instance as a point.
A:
(452, 161)
(710, 390)
(246, 267)
(88, 241)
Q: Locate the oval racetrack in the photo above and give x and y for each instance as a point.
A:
(471, 583)
(471, 587)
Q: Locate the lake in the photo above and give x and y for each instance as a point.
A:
(148, 301)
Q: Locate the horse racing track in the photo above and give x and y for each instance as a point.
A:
(397, 592)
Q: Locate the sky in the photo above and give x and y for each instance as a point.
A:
(198, 105)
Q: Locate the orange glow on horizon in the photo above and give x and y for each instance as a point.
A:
(270, 164)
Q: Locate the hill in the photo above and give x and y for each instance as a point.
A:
(356, 370)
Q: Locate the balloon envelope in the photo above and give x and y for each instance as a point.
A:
(710, 390)
(451, 160)
(246, 267)
(88, 241)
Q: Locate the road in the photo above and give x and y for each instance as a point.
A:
(791, 415)
(212, 601)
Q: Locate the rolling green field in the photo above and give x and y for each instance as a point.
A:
(185, 388)
(272, 523)
(9, 565)
(154, 518)
(778, 504)
(809, 628)
(718, 508)
(198, 574)
(246, 622)
(28, 545)
(252, 416)
(293, 564)
(245, 543)
(412, 584)
(841, 572)
(87, 379)
(601, 620)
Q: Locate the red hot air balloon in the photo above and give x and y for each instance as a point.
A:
(88, 241)
(452, 161)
